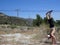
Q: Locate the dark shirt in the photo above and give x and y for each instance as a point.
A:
(51, 22)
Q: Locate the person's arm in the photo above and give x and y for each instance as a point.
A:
(47, 16)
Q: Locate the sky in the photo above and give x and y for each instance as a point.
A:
(33, 7)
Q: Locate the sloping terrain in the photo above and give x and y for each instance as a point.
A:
(5, 19)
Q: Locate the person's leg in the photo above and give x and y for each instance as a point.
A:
(53, 36)
(49, 33)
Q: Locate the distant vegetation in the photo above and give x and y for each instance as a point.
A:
(5, 19)
(39, 20)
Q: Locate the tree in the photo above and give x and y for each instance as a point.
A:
(58, 22)
(45, 20)
(38, 20)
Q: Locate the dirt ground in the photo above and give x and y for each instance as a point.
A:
(36, 36)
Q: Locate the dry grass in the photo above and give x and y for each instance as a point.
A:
(40, 32)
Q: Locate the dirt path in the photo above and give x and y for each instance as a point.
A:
(21, 39)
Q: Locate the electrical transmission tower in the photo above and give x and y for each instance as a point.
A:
(17, 10)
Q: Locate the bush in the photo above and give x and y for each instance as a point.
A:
(13, 26)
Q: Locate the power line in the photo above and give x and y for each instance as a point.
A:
(8, 10)
(17, 10)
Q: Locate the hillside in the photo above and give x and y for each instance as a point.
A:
(5, 19)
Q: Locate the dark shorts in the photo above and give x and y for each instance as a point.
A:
(51, 26)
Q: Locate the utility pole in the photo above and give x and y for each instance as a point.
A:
(17, 10)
